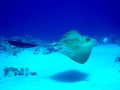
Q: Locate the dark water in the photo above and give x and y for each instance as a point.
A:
(50, 19)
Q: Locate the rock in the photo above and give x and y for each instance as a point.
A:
(33, 73)
(12, 71)
(117, 60)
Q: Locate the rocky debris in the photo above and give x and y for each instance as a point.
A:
(21, 44)
(112, 38)
(117, 60)
(13, 71)
(16, 45)
(7, 48)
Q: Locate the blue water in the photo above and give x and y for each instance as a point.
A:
(50, 19)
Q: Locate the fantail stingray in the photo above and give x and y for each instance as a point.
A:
(75, 46)
(72, 44)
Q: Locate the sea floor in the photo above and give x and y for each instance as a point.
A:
(56, 71)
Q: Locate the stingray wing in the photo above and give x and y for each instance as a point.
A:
(75, 46)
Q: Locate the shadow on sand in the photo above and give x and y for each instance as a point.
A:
(70, 76)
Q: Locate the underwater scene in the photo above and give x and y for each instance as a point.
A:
(60, 45)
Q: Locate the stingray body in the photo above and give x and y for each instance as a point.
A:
(75, 46)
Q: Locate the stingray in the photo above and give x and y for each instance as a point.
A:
(72, 44)
(76, 46)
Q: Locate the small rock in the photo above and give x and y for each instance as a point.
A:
(33, 73)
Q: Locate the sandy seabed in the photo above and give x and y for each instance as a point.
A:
(56, 71)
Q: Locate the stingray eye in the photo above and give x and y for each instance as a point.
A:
(87, 39)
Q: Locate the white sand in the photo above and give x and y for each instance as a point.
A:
(101, 67)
